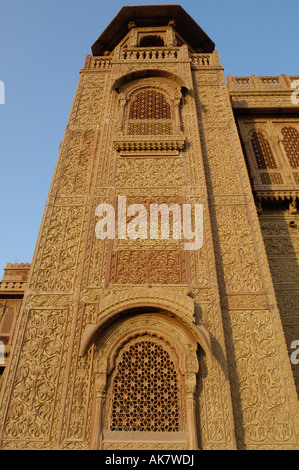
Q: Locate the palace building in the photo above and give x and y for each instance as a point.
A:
(131, 342)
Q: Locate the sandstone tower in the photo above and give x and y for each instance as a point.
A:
(139, 343)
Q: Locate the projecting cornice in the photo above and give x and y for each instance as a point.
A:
(153, 15)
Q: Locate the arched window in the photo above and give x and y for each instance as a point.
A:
(151, 41)
(146, 369)
(262, 151)
(149, 113)
(146, 388)
(291, 145)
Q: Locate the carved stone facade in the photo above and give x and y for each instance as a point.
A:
(136, 342)
(12, 288)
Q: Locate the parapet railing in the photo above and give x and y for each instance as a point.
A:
(281, 82)
(149, 54)
(203, 60)
(93, 63)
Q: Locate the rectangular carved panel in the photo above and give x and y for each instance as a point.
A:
(267, 414)
(148, 266)
(152, 172)
(282, 246)
(31, 407)
(239, 257)
(55, 268)
(75, 175)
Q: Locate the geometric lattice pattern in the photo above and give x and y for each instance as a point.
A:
(271, 178)
(145, 390)
(291, 145)
(6, 321)
(262, 151)
(150, 128)
(149, 104)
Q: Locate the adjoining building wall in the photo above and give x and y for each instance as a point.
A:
(12, 288)
(268, 122)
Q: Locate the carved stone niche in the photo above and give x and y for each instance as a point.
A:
(149, 114)
(145, 371)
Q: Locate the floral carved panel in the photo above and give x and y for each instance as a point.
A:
(152, 172)
(239, 257)
(31, 408)
(57, 259)
(266, 411)
(148, 266)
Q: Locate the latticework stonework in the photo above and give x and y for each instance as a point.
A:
(291, 145)
(262, 151)
(149, 104)
(146, 389)
(138, 343)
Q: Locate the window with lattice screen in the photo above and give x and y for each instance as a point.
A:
(7, 319)
(291, 145)
(149, 114)
(262, 151)
(145, 389)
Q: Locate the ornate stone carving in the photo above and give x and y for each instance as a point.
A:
(151, 172)
(56, 263)
(88, 301)
(150, 143)
(240, 259)
(264, 401)
(166, 334)
(146, 391)
(148, 267)
(31, 409)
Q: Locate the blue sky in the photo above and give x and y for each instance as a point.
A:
(43, 44)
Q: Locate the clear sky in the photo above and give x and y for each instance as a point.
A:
(43, 44)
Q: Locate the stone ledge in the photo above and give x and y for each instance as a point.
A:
(149, 143)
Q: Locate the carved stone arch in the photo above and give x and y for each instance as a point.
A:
(148, 73)
(123, 303)
(169, 87)
(171, 338)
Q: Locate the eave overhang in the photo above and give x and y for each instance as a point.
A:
(153, 15)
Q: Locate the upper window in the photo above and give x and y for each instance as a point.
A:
(149, 113)
(149, 104)
(151, 41)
